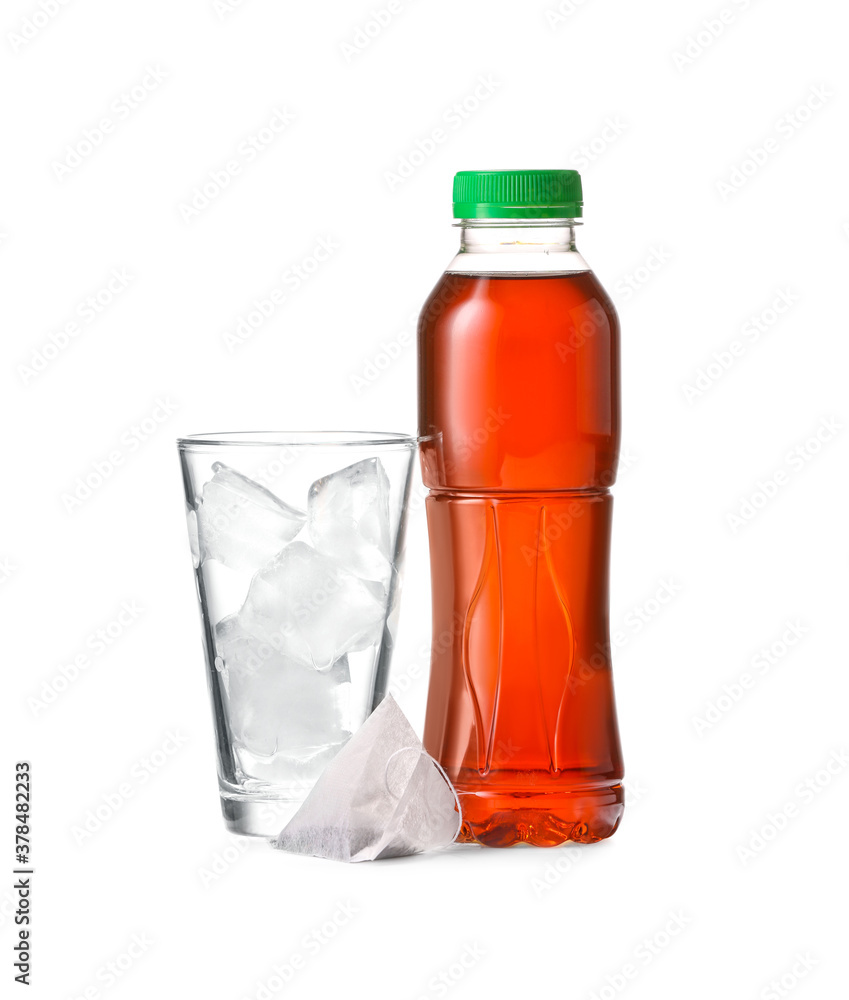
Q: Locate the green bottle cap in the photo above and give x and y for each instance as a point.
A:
(518, 194)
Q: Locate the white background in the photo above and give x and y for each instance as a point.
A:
(666, 111)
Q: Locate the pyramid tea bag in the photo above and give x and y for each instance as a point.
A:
(382, 796)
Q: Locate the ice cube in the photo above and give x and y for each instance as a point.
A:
(348, 516)
(194, 544)
(278, 705)
(224, 589)
(242, 524)
(311, 608)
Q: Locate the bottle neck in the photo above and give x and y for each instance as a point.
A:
(517, 246)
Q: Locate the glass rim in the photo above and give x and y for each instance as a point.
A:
(296, 439)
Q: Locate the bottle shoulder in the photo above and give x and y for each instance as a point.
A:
(553, 298)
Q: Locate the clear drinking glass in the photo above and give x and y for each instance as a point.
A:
(297, 542)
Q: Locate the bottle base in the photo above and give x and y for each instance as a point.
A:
(543, 819)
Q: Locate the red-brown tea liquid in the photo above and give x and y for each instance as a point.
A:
(519, 405)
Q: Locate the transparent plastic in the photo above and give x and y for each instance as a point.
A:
(519, 426)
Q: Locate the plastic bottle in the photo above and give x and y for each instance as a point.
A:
(519, 421)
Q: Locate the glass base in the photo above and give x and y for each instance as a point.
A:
(257, 815)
